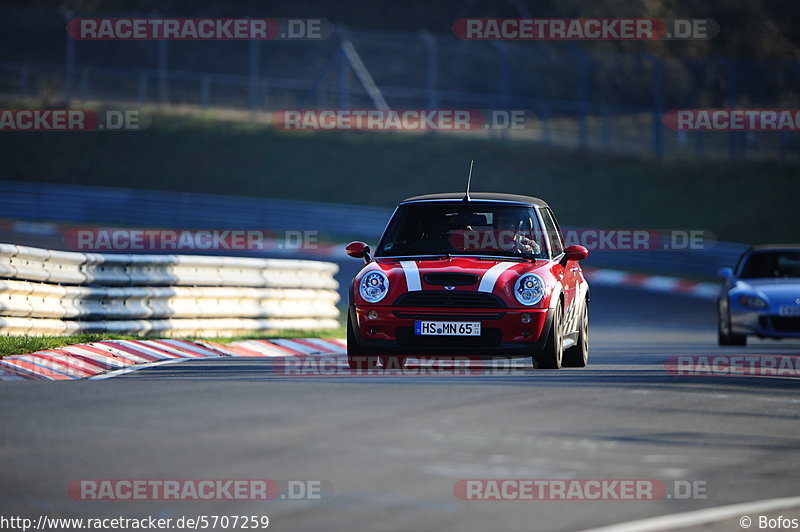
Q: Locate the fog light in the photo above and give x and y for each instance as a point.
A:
(525, 317)
(372, 314)
(526, 334)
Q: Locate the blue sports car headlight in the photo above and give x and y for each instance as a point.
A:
(374, 286)
(752, 302)
(529, 289)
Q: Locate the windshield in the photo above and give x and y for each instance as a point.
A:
(463, 229)
(772, 264)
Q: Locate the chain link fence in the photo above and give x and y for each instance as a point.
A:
(575, 95)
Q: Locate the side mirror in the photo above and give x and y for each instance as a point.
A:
(725, 273)
(358, 250)
(576, 252)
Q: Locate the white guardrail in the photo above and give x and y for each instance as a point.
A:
(46, 292)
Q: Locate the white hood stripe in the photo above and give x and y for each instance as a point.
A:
(491, 275)
(412, 275)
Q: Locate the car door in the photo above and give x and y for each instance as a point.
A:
(568, 270)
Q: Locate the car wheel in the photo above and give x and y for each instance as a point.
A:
(393, 362)
(577, 356)
(553, 352)
(356, 358)
(724, 334)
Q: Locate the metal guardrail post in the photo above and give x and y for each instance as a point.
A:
(84, 85)
(344, 81)
(606, 127)
(545, 118)
(255, 57)
(143, 79)
(504, 87)
(162, 71)
(431, 68)
(784, 145)
(730, 69)
(583, 94)
(69, 69)
(24, 77)
(205, 91)
(699, 144)
(658, 104)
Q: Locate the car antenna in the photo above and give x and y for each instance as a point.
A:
(469, 179)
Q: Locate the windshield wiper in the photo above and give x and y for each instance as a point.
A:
(416, 257)
(497, 257)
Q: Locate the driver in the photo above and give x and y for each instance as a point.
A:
(511, 237)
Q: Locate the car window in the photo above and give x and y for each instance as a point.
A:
(765, 264)
(472, 228)
(553, 232)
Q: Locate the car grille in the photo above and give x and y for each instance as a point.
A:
(452, 279)
(449, 316)
(785, 324)
(436, 298)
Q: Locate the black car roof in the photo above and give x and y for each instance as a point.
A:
(775, 247)
(477, 196)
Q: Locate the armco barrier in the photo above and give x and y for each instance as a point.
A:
(55, 292)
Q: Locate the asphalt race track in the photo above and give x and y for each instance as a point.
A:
(391, 448)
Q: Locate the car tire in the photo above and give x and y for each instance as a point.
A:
(577, 356)
(724, 335)
(552, 354)
(393, 362)
(356, 358)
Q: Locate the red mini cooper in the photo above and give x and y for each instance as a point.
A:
(480, 274)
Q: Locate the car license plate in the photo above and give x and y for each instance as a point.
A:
(790, 311)
(447, 328)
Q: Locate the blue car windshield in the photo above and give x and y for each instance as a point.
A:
(464, 229)
(765, 264)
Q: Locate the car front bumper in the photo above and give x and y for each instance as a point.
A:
(764, 324)
(503, 334)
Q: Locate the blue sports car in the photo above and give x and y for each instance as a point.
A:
(761, 296)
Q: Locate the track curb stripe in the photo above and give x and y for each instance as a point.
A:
(102, 361)
(109, 358)
(73, 366)
(267, 348)
(298, 348)
(232, 350)
(26, 364)
(104, 356)
(120, 350)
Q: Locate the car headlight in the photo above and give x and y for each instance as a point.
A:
(374, 286)
(753, 302)
(529, 289)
